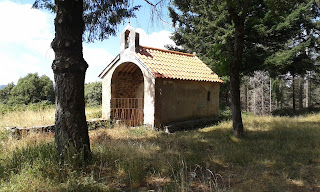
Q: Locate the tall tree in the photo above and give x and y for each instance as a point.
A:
(216, 30)
(99, 19)
(299, 53)
(235, 36)
(69, 69)
(238, 12)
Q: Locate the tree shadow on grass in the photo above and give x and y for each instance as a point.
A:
(285, 157)
(278, 158)
(291, 113)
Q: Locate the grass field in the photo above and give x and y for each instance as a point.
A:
(277, 154)
(38, 117)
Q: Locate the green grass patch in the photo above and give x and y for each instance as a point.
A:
(291, 113)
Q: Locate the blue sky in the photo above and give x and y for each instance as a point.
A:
(26, 34)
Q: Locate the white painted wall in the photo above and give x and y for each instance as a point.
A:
(149, 87)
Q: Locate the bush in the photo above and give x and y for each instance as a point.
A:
(32, 89)
(5, 108)
(289, 112)
(225, 114)
(93, 93)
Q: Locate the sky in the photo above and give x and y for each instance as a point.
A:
(26, 34)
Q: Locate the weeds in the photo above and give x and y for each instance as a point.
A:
(35, 115)
(277, 154)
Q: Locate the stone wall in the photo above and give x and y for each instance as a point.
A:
(19, 132)
(178, 101)
(191, 124)
(127, 85)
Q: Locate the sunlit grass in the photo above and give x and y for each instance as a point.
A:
(277, 154)
(40, 117)
(27, 118)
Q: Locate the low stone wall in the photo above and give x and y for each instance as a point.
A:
(188, 125)
(19, 132)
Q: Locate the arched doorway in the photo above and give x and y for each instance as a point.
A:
(127, 95)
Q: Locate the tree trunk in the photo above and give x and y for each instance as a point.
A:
(262, 98)
(247, 95)
(307, 91)
(234, 68)
(235, 81)
(270, 95)
(227, 98)
(310, 90)
(69, 69)
(300, 93)
(281, 99)
(254, 96)
(293, 94)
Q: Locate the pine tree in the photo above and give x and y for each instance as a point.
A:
(237, 37)
(299, 53)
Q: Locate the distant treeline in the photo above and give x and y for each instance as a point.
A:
(29, 89)
(35, 91)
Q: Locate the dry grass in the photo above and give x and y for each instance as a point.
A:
(277, 154)
(29, 118)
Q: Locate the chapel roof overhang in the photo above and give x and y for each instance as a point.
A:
(170, 65)
(176, 65)
(160, 63)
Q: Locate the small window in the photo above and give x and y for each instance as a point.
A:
(208, 96)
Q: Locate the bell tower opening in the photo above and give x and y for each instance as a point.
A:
(129, 40)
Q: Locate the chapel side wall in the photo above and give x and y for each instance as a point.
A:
(178, 100)
(106, 96)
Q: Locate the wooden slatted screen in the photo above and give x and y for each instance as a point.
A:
(128, 111)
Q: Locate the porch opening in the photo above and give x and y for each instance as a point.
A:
(127, 95)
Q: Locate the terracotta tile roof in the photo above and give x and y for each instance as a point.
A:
(176, 65)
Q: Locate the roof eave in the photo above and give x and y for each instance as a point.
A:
(105, 70)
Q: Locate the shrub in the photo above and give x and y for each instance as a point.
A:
(93, 93)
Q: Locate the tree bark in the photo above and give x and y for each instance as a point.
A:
(69, 67)
(281, 99)
(262, 98)
(307, 91)
(246, 94)
(300, 93)
(293, 94)
(270, 95)
(254, 96)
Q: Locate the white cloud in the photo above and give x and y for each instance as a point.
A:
(96, 57)
(25, 38)
(97, 60)
(23, 23)
(8, 70)
(155, 39)
(42, 47)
